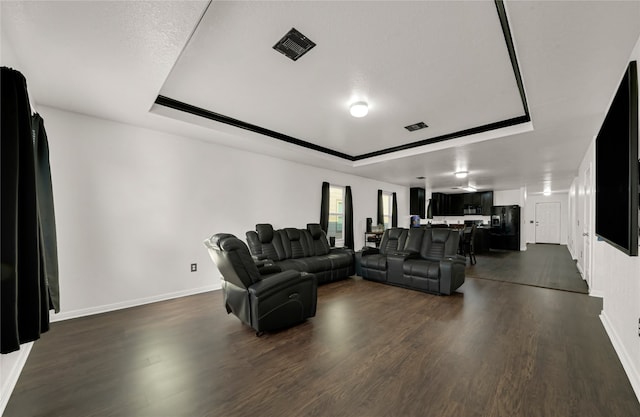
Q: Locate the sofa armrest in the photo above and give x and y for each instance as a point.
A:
(278, 282)
(451, 273)
(268, 269)
(342, 250)
(368, 250)
(260, 262)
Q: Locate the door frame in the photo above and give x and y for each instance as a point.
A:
(587, 225)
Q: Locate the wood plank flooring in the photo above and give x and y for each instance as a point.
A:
(492, 349)
(541, 265)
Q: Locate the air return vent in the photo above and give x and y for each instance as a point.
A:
(294, 44)
(416, 126)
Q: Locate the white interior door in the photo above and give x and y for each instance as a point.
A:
(586, 228)
(548, 223)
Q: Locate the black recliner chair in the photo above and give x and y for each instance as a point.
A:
(261, 295)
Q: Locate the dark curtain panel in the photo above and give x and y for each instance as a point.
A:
(394, 211)
(324, 207)
(46, 215)
(24, 291)
(380, 208)
(348, 218)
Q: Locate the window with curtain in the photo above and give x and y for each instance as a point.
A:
(336, 212)
(387, 209)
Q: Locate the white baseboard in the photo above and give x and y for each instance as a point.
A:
(66, 315)
(597, 294)
(627, 364)
(10, 376)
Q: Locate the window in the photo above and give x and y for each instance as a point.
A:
(336, 211)
(387, 199)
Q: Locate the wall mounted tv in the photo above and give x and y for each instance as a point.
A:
(617, 168)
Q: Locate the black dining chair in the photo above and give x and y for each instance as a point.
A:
(467, 243)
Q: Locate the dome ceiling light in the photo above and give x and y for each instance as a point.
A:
(461, 174)
(359, 109)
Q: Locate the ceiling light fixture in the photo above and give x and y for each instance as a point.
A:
(462, 174)
(546, 192)
(359, 109)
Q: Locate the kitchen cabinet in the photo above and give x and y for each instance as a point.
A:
(486, 202)
(417, 202)
(438, 204)
(462, 203)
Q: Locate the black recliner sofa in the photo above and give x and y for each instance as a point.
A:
(305, 250)
(261, 295)
(420, 259)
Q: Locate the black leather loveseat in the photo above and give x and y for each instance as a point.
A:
(304, 250)
(420, 259)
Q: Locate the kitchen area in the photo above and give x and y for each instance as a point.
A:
(496, 227)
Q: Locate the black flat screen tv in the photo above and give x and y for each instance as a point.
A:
(617, 168)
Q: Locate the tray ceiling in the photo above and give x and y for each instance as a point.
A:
(443, 63)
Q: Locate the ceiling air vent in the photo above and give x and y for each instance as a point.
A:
(416, 126)
(294, 44)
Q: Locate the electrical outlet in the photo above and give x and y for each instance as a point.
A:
(194, 267)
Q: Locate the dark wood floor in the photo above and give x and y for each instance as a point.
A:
(541, 265)
(492, 349)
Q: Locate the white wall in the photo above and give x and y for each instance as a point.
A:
(11, 365)
(507, 197)
(133, 207)
(616, 277)
(530, 214)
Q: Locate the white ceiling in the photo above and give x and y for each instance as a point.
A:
(444, 63)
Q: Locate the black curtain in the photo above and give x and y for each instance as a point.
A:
(324, 207)
(394, 211)
(25, 286)
(348, 218)
(380, 208)
(46, 214)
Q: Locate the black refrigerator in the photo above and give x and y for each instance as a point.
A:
(505, 227)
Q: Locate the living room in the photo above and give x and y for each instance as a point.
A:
(136, 197)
